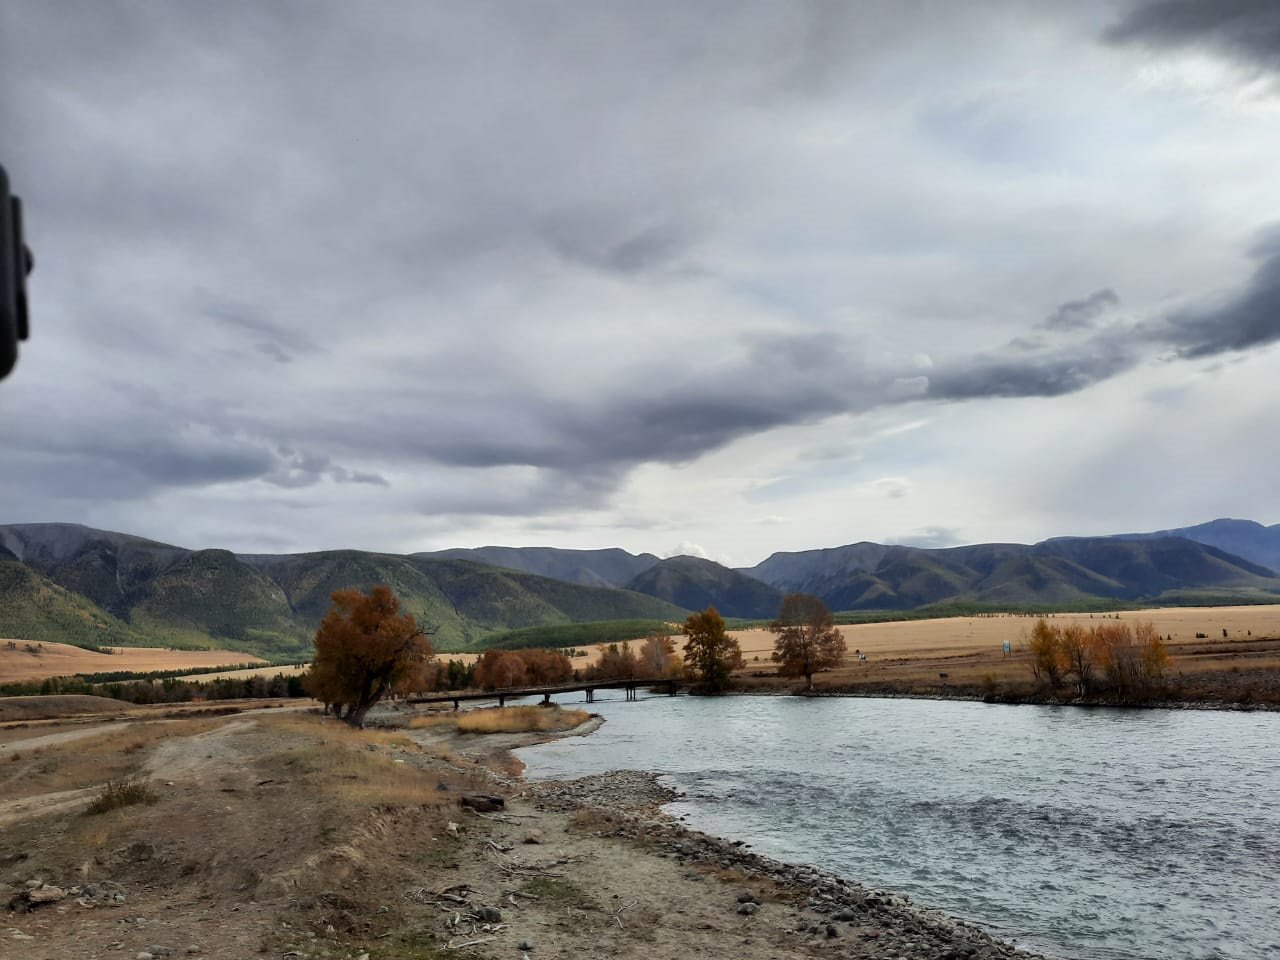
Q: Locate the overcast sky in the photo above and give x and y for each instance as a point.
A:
(712, 277)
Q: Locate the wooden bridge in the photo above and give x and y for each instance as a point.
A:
(547, 692)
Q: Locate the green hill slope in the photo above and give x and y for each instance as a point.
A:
(34, 608)
(59, 578)
(696, 584)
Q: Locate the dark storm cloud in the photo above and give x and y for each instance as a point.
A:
(1246, 320)
(1249, 29)
(1047, 376)
(432, 252)
(1076, 314)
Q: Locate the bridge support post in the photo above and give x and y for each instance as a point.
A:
(502, 701)
(591, 695)
(455, 706)
(546, 699)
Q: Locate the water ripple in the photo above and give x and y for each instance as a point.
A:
(1091, 835)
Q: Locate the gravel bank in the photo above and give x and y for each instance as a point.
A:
(873, 923)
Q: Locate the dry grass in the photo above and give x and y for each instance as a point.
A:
(358, 769)
(964, 655)
(524, 719)
(117, 753)
(64, 660)
(290, 670)
(122, 793)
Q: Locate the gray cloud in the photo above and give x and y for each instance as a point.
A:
(1248, 319)
(1249, 29)
(1076, 314)
(930, 538)
(488, 259)
(1052, 375)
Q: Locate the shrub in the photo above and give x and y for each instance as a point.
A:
(122, 793)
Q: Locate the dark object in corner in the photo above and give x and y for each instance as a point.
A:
(15, 263)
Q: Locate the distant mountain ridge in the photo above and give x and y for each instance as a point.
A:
(594, 568)
(1244, 538)
(696, 584)
(95, 587)
(868, 576)
(60, 581)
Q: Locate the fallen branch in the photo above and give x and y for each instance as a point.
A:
(469, 943)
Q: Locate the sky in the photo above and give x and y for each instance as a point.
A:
(720, 278)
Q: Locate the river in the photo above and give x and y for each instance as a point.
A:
(1086, 834)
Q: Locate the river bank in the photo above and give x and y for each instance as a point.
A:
(713, 891)
(802, 909)
(287, 834)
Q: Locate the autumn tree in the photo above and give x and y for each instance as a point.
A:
(709, 652)
(544, 666)
(1048, 654)
(1077, 649)
(808, 639)
(658, 657)
(365, 648)
(616, 663)
(1113, 656)
(499, 670)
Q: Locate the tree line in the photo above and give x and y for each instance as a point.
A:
(366, 649)
(1112, 657)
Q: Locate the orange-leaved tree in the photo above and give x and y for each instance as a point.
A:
(365, 648)
(808, 638)
(709, 652)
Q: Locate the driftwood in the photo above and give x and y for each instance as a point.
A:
(482, 802)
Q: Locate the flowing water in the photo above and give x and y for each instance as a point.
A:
(1084, 834)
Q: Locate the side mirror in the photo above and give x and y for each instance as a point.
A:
(15, 264)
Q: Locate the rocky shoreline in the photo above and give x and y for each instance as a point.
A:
(1027, 700)
(875, 923)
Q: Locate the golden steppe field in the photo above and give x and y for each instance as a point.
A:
(965, 656)
(956, 656)
(18, 662)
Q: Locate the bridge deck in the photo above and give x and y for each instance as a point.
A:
(547, 692)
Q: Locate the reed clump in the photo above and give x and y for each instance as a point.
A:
(523, 719)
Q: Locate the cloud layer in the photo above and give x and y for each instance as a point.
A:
(414, 277)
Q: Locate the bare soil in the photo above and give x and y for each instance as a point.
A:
(64, 705)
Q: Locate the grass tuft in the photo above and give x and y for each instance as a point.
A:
(122, 793)
(523, 719)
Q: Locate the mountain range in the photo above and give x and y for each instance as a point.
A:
(73, 583)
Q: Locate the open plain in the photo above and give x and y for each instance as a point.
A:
(21, 660)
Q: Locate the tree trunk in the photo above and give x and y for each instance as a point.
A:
(355, 715)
